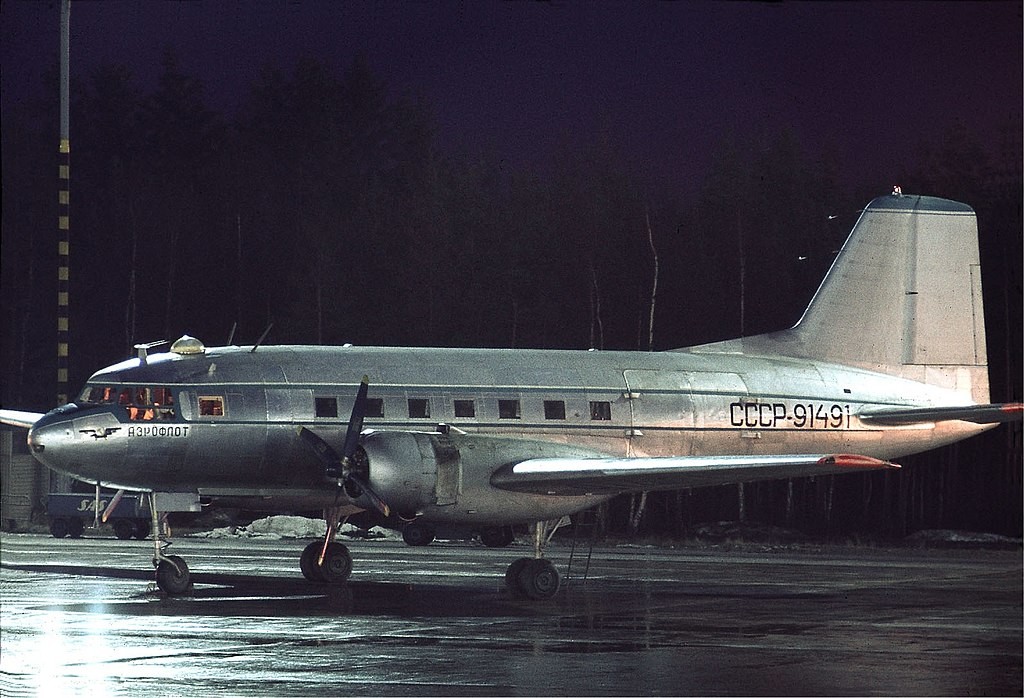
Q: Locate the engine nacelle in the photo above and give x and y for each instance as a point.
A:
(410, 470)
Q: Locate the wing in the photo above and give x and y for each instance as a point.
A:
(19, 419)
(578, 476)
(978, 414)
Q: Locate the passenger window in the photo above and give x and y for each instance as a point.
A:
(508, 409)
(554, 409)
(326, 406)
(211, 406)
(464, 408)
(600, 410)
(419, 408)
(374, 407)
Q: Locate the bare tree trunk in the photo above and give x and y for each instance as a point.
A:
(596, 324)
(636, 512)
(654, 283)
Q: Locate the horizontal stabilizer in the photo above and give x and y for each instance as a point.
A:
(17, 418)
(579, 476)
(978, 414)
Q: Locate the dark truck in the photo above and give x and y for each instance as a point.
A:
(70, 514)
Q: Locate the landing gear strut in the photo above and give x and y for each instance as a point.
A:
(535, 578)
(327, 561)
(172, 575)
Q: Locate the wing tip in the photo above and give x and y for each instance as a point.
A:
(853, 460)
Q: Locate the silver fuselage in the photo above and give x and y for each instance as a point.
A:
(624, 404)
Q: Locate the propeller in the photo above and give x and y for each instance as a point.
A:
(342, 467)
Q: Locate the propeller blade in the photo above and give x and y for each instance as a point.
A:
(378, 502)
(355, 422)
(332, 461)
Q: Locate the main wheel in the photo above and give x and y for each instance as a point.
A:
(308, 562)
(172, 576)
(417, 534)
(123, 529)
(337, 565)
(142, 529)
(512, 574)
(538, 579)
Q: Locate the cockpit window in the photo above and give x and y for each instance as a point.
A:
(143, 403)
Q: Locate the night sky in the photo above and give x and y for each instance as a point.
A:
(662, 83)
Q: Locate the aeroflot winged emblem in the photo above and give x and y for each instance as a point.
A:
(887, 360)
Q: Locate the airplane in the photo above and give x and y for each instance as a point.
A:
(888, 359)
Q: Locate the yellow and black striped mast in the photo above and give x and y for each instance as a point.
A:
(63, 209)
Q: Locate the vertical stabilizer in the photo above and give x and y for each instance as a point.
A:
(903, 297)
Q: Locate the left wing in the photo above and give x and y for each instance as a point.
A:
(579, 476)
(17, 418)
(978, 414)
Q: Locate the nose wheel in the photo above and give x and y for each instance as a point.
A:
(172, 575)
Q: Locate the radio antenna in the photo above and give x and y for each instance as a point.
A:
(260, 340)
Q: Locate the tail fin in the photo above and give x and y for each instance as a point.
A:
(903, 297)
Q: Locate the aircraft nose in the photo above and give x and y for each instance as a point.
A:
(50, 438)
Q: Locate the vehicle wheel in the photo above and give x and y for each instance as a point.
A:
(512, 574)
(539, 579)
(58, 528)
(337, 564)
(417, 534)
(142, 529)
(307, 562)
(75, 528)
(172, 576)
(123, 529)
(496, 536)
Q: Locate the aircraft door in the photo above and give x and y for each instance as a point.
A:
(661, 410)
(715, 396)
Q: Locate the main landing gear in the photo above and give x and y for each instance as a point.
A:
(327, 561)
(534, 577)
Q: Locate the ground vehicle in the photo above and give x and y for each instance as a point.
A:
(71, 513)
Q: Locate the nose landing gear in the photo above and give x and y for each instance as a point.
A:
(172, 575)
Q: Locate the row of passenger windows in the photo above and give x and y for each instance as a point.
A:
(419, 408)
(149, 402)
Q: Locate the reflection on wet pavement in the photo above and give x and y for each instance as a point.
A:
(82, 618)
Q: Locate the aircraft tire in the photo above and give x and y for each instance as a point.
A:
(75, 527)
(538, 579)
(123, 529)
(172, 576)
(512, 575)
(417, 534)
(58, 527)
(142, 529)
(307, 562)
(337, 565)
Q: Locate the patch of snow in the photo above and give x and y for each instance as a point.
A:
(970, 537)
(271, 528)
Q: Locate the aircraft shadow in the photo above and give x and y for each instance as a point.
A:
(227, 594)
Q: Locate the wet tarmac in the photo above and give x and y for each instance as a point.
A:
(80, 617)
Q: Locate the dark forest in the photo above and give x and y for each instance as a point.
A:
(326, 208)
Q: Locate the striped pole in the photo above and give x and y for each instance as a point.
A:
(63, 209)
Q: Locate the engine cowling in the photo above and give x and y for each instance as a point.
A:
(408, 469)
